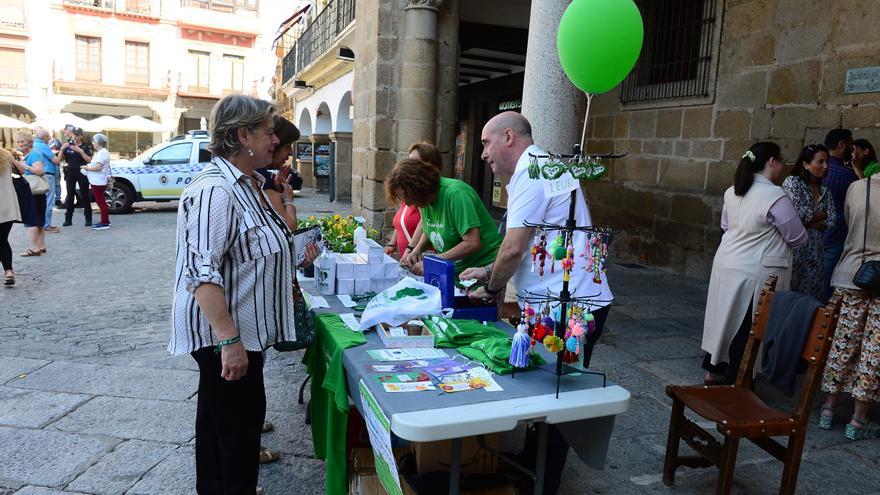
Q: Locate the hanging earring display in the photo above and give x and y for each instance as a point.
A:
(595, 170)
(553, 168)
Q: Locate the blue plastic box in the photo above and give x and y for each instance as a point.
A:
(441, 274)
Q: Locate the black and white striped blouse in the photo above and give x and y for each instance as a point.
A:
(226, 237)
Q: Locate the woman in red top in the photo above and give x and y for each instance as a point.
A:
(408, 220)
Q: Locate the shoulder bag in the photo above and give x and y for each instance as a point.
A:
(868, 276)
(302, 320)
(37, 183)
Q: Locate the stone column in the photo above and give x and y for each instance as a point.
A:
(321, 183)
(418, 80)
(549, 100)
(342, 164)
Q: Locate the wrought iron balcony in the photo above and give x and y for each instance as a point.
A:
(221, 5)
(318, 37)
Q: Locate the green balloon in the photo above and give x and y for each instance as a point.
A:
(599, 42)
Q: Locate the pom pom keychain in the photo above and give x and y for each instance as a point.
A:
(590, 323)
(553, 343)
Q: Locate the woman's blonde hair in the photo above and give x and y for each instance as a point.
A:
(24, 135)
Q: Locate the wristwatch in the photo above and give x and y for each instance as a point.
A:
(490, 291)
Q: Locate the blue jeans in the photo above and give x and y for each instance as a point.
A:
(52, 179)
(829, 261)
(58, 185)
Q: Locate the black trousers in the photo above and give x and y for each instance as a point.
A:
(600, 315)
(5, 248)
(735, 352)
(72, 178)
(229, 420)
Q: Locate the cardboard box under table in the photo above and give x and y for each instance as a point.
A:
(584, 410)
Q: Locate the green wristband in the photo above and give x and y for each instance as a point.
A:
(224, 343)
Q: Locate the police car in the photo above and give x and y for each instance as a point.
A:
(158, 174)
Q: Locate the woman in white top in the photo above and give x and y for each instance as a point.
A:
(97, 172)
(761, 228)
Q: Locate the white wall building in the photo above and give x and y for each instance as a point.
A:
(166, 60)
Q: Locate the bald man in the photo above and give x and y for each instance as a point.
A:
(507, 144)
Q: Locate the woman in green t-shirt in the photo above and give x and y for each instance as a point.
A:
(454, 219)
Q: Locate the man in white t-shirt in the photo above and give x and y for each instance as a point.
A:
(507, 143)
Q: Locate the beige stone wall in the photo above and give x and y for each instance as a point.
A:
(781, 73)
(380, 85)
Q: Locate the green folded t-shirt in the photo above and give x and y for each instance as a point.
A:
(452, 333)
(494, 354)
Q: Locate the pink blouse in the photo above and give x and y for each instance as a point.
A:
(783, 216)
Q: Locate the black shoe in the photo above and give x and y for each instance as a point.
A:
(88, 223)
(67, 224)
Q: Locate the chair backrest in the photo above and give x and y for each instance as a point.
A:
(815, 351)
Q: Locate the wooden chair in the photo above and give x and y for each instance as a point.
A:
(739, 413)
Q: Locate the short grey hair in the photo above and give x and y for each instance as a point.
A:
(100, 139)
(232, 113)
(41, 134)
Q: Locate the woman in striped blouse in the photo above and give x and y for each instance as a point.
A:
(233, 292)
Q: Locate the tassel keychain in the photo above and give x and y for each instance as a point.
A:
(519, 349)
(536, 248)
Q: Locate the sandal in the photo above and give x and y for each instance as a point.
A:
(268, 455)
(31, 252)
(826, 422)
(268, 426)
(868, 430)
(9, 279)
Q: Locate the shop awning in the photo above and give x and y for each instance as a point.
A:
(10, 123)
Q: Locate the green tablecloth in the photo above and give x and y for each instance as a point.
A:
(329, 396)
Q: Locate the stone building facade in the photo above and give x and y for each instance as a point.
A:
(780, 76)
(747, 70)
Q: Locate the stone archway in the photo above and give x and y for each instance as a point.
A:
(305, 123)
(343, 114)
(323, 119)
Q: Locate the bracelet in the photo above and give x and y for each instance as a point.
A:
(490, 291)
(289, 203)
(389, 245)
(224, 343)
(409, 248)
(488, 273)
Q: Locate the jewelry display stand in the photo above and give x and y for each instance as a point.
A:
(565, 297)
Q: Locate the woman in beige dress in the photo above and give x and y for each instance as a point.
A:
(761, 228)
(9, 214)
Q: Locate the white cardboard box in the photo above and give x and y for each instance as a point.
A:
(391, 268)
(325, 273)
(345, 266)
(379, 284)
(370, 249)
(361, 286)
(377, 270)
(345, 286)
(361, 268)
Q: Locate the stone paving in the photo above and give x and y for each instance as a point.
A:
(91, 403)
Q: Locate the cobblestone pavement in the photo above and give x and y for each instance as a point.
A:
(90, 401)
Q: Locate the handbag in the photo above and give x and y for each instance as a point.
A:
(302, 320)
(867, 277)
(37, 183)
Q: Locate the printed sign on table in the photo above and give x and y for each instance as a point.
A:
(379, 428)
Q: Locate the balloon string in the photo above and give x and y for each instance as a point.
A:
(586, 120)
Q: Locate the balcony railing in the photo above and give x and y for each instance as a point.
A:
(318, 37)
(120, 6)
